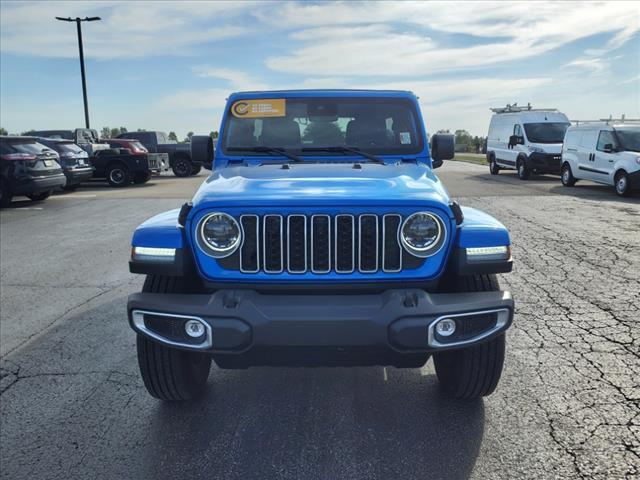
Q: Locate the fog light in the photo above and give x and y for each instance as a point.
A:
(194, 328)
(446, 327)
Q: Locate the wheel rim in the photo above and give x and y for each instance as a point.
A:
(521, 170)
(565, 176)
(621, 184)
(182, 168)
(116, 175)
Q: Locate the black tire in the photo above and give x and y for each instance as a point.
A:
(38, 197)
(70, 188)
(118, 175)
(566, 176)
(170, 374)
(523, 171)
(182, 167)
(196, 169)
(141, 177)
(493, 166)
(622, 184)
(5, 195)
(472, 372)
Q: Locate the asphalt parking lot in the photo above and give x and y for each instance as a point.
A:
(568, 405)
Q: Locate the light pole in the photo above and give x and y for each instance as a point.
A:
(78, 20)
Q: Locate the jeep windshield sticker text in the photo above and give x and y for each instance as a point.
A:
(259, 108)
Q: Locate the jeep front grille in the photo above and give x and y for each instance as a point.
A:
(320, 243)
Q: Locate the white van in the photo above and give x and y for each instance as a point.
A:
(604, 152)
(526, 139)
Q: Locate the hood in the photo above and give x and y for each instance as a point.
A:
(322, 183)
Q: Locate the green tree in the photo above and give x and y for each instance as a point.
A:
(105, 132)
(214, 135)
(173, 137)
(142, 130)
(3, 131)
(188, 137)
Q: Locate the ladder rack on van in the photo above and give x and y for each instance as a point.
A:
(515, 108)
(609, 120)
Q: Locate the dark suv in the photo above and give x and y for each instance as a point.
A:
(74, 161)
(27, 168)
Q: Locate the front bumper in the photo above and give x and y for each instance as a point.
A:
(243, 322)
(545, 162)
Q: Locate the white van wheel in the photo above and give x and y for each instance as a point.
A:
(567, 178)
(523, 171)
(493, 166)
(622, 184)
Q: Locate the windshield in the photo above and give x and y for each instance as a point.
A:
(29, 147)
(374, 125)
(545, 132)
(629, 139)
(69, 148)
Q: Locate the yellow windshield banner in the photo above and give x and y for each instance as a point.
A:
(269, 107)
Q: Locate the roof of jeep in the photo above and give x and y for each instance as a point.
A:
(324, 93)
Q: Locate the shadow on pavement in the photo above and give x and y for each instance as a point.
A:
(316, 423)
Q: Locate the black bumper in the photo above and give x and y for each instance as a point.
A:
(545, 162)
(37, 185)
(78, 175)
(252, 327)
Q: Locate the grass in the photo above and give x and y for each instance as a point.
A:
(471, 158)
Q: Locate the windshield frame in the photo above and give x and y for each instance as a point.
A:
(417, 149)
(527, 126)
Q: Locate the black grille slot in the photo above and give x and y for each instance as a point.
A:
(320, 243)
(170, 327)
(249, 253)
(368, 238)
(345, 243)
(297, 235)
(273, 247)
(391, 250)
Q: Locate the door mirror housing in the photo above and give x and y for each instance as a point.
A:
(442, 148)
(202, 150)
(608, 148)
(516, 140)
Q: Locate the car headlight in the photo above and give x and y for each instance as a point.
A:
(219, 234)
(422, 234)
(536, 150)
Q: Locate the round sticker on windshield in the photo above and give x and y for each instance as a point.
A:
(270, 107)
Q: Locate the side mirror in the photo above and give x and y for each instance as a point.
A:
(202, 150)
(608, 148)
(442, 148)
(516, 140)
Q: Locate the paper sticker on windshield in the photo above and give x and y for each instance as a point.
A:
(269, 107)
(405, 138)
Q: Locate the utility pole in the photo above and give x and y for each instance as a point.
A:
(78, 21)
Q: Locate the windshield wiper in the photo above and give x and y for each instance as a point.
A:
(262, 149)
(345, 149)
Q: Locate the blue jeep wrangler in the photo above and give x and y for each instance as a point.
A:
(322, 238)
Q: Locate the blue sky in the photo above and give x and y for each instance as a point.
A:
(170, 65)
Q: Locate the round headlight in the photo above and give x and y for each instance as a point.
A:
(422, 234)
(219, 234)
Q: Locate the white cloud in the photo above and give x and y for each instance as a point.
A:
(127, 29)
(380, 38)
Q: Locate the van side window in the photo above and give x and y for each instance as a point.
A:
(517, 130)
(606, 138)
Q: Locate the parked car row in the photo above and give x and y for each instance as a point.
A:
(544, 141)
(46, 160)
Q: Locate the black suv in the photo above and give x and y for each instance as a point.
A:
(27, 168)
(74, 161)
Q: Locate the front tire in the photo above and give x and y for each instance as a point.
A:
(566, 176)
(493, 166)
(472, 372)
(523, 171)
(170, 374)
(196, 170)
(38, 197)
(623, 187)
